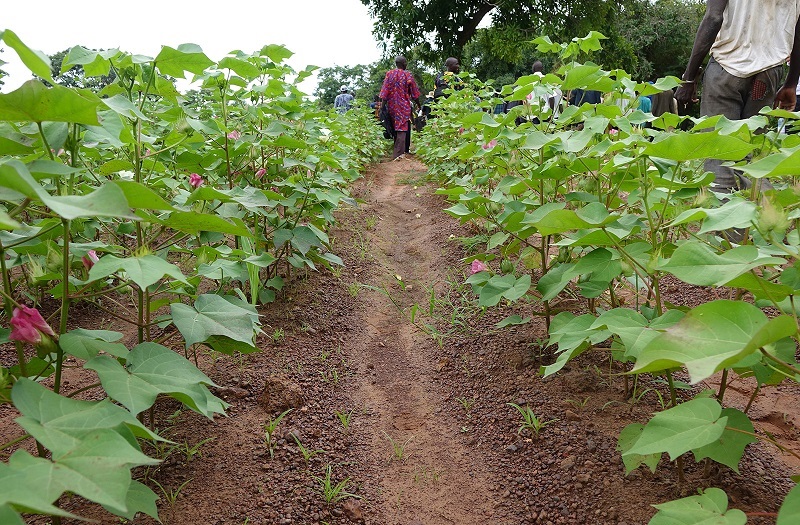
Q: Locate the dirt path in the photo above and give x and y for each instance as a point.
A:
(428, 476)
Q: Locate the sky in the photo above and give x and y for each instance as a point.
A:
(323, 33)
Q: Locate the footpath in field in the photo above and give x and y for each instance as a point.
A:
(427, 475)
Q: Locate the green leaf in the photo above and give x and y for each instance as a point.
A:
(33, 102)
(215, 315)
(36, 61)
(9, 515)
(629, 435)
(729, 448)
(31, 483)
(194, 223)
(144, 271)
(512, 320)
(503, 286)
(789, 513)
(140, 196)
(106, 201)
(152, 369)
(711, 337)
(7, 223)
(688, 426)
(188, 57)
(707, 145)
(697, 263)
(553, 282)
(86, 344)
(139, 499)
(708, 508)
(276, 53)
(58, 422)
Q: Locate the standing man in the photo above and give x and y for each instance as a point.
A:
(398, 91)
(447, 78)
(343, 100)
(749, 42)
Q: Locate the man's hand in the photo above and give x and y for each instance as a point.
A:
(786, 98)
(686, 94)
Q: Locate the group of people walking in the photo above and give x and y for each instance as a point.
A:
(743, 75)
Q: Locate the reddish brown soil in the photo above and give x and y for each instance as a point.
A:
(431, 439)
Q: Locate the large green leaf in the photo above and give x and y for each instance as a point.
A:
(503, 286)
(215, 315)
(58, 421)
(85, 344)
(36, 61)
(194, 223)
(144, 271)
(152, 369)
(139, 499)
(141, 196)
(188, 57)
(690, 146)
(629, 435)
(708, 508)
(711, 337)
(33, 102)
(106, 201)
(8, 516)
(688, 426)
(697, 263)
(789, 513)
(31, 483)
(729, 448)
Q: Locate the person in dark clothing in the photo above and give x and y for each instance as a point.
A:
(578, 97)
(447, 78)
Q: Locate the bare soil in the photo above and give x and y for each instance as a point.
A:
(419, 430)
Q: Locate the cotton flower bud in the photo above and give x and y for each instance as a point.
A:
(772, 218)
(28, 326)
(195, 180)
(478, 266)
(89, 259)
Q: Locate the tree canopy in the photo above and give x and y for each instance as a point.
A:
(645, 37)
(440, 28)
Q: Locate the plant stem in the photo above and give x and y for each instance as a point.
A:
(64, 307)
(8, 306)
(723, 385)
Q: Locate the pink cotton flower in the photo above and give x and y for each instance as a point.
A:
(613, 132)
(478, 266)
(260, 173)
(461, 131)
(89, 259)
(489, 145)
(28, 325)
(195, 180)
(234, 135)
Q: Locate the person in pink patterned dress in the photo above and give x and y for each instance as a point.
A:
(398, 91)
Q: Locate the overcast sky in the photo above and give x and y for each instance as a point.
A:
(320, 32)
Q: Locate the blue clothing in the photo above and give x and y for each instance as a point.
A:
(645, 104)
(343, 102)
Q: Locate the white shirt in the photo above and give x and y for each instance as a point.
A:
(756, 35)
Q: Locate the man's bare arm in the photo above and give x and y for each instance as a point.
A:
(706, 33)
(786, 98)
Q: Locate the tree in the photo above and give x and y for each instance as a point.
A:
(647, 38)
(661, 34)
(441, 28)
(75, 76)
(331, 79)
